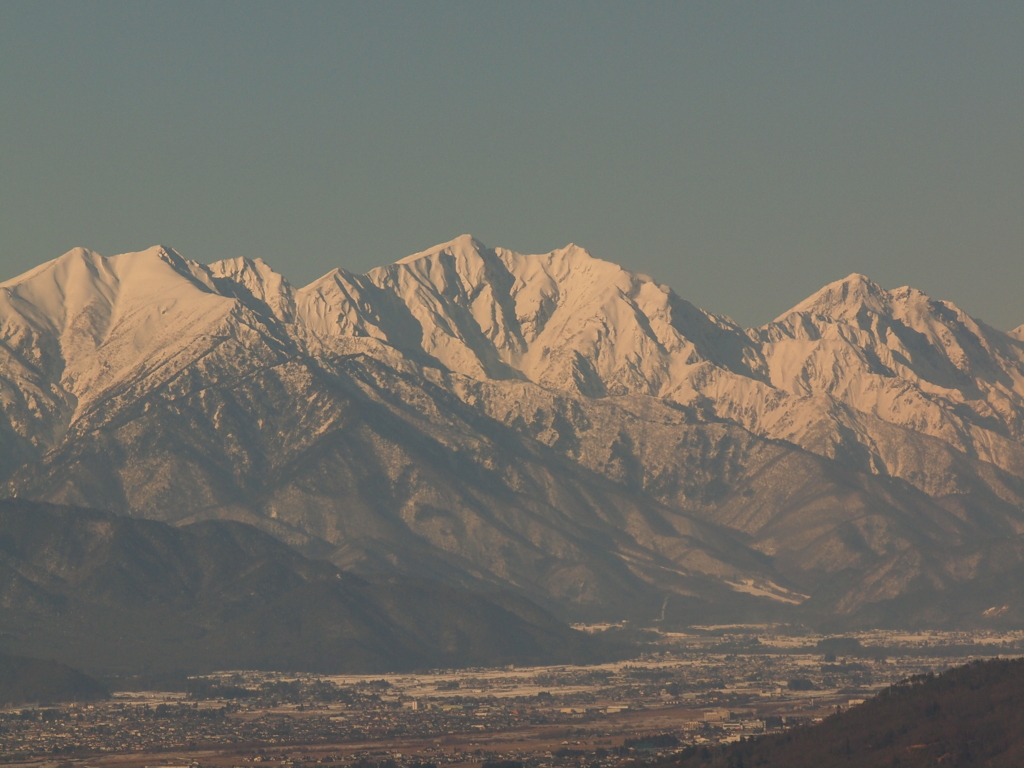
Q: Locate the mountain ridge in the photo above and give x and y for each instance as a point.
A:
(548, 421)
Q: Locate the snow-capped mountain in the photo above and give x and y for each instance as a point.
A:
(551, 422)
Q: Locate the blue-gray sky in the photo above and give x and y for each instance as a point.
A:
(744, 153)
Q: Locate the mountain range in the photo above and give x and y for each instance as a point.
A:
(549, 424)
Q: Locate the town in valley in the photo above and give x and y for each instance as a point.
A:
(706, 685)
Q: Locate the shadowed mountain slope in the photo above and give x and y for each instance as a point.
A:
(25, 680)
(114, 594)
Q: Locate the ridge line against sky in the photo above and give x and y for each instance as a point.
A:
(744, 155)
(455, 242)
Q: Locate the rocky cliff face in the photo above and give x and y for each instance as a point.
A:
(551, 422)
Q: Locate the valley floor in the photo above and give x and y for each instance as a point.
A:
(707, 685)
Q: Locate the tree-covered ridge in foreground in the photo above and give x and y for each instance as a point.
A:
(969, 716)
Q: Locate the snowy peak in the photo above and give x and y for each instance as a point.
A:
(843, 299)
(904, 319)
(256, 285)
(563, 319)
(80, 296)
(85, 325)
(463, 246)
(916, 334)
(64, 286)
(451, 305)
(903, 358)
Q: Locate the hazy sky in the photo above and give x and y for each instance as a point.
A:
(745, 154)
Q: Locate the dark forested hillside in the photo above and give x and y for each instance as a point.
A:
(113, 594)
(969, 716)
(24, 680)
